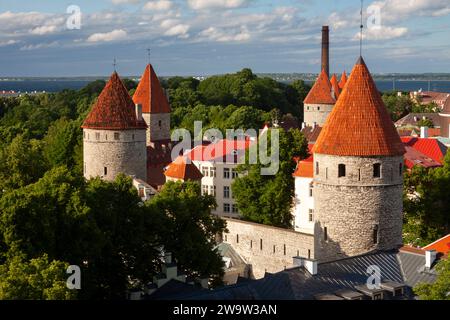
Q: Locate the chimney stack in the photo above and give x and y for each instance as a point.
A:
(430, 257)
(326, 50)
(138, 108)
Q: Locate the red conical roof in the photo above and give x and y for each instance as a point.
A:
(180, 169)
(359, 124)
(114, 109)
(320, 93)
(335, 86)
(150, 94)
(343, 80)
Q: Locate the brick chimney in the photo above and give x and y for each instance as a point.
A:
(326, 50)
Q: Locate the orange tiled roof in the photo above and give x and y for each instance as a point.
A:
(432, 148)
(335, 86)
(343, 80)
(441, 245)
(150, 94)
(359, 124)
(179, 169)
(320, 93)
(305, 168)
(114, 109)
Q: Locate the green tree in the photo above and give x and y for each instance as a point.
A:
(426, 123)
(190, 230)
(268, 199)
(440, 289)
(35, 279)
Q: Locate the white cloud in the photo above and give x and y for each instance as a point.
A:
(44, 30)
(393, 10)
(114, 35)
(158, 5)
(180, 30)
(39, 46)
(8, 42)
(207, 4)
(125, 1)
(212, 33)
(382, 33)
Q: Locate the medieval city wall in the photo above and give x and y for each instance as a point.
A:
(158, 126)
(266, 248)
(316, 113)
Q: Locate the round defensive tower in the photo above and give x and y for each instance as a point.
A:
(358, 174)
(114, 135)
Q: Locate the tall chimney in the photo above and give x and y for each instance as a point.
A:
(326, 50)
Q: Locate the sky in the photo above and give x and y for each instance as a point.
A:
(205, 37)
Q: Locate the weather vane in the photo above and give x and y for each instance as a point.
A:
(361, 27)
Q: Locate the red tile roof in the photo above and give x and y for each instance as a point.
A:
(320, 93)
(114, 109)
(311, 133)
(305, 168)
(223, 151)
(181, 169)
(441, 245)
(432, 148)
(150, 94)
(335, 86)
(343, 80)
(417, 158)
(359, 124)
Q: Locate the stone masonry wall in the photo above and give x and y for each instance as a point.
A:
(155, 131)
(126, 155)
(317, 113)
(278, 248)
(351, 208)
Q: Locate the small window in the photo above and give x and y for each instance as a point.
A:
(274, 249)
(326, 173)
(234, 174)
(251, 244)
(226, 173)
(317, 168)
(212, 171)
(310, 192)
(237, 238)
(84, 134)
(226, 238)
(205, 171)
(204, 189)
(226, 207)
(284, 249)
(159, 123)
(311, 215)
(234, 208)
(359, 174)
(106, 137)
(226, 192)
(318, 108)
(260, 244)
(375, 234)
(400, 169)
(377, 170)
(132, 136)
(105, 171)
(298, 253)
(97, 136)
(341, 170)
(309, 253)
(307, 108)
(325, 234)
(116, 136)
(212, 190)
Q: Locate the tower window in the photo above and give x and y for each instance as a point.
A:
(116, 136)
(325, 234)
(274, 249)
(284, 249)
(317, 167)
(260, 244)
(132, 136)
(375, 234)
(97, 136)
(377, 170)
(341, 170)
(359, 174)
(159, 123)
(84, 134)
(311, 215)
(307, 108)
(318, 108)
(310, 191)
(400, 169)
(237, 238)
(251, 244)
(105, 171)
(309, 253)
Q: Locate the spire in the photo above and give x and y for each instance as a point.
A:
(150, 94)
(359, 124)
(361, 27)
(343, 80)
(320, 93)
(335, 86)
(114, 109)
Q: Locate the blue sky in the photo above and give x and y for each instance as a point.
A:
(196, 37)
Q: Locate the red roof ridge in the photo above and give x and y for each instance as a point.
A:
(320, 93)
(359, 124)
(150, 93)
(114, 109)
(440, 245)
(183, 168)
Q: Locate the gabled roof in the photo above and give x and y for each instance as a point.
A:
(414, 157)
(320, 93)
(305, 168)
(225, 151)
(432, 148)
(335, 86)
(359, 124)
(150, 94)
(343, 80)
(114, 109)
(181, 169)
(441, 245)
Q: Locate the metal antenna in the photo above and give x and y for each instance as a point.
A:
(361, 27)
(148, 52)
(114, 64)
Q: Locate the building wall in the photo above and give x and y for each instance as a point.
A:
(316, 113)
(126, 155)
(351, 208)
(445, 125)
(279, 246)
(303, 203)
(158, 127)
(219, 181)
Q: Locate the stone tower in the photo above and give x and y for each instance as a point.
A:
(114, 135)
(358, 174)
(155, 108)
(319, 102)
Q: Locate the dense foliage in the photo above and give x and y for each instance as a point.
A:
(439, 290)
(401, 105)
(427, 204)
